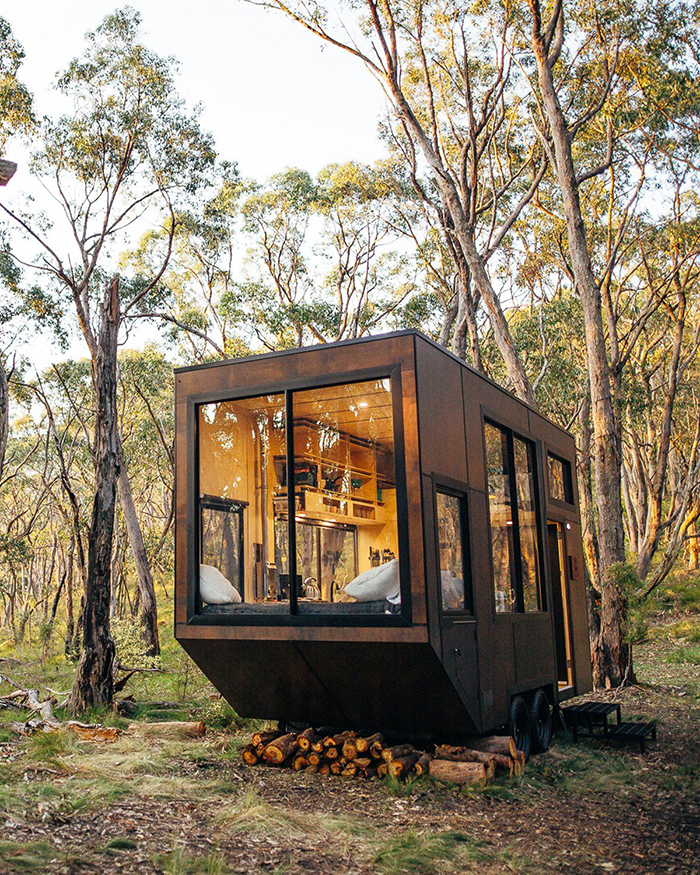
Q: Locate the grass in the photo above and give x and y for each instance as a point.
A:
(434, 853)
(180, 862)
(403, 789)
(251, 814)
(27, 857)
(50, 747)
(68, 780)
(120, 844)
(684, 655)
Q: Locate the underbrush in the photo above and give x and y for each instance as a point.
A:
(684, 655)
(434, 853)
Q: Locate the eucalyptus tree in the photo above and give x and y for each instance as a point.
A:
(16, 110)
(448, 74)
(615, 110)
(325, 258)
(291, 261)
(16, 117)
(129, 152)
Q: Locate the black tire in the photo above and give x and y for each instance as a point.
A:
(540, 722)
(519, 725)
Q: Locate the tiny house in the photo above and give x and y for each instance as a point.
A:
(371, 534)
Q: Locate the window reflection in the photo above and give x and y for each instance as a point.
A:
(527, 523)
(451, 522)
(560, 485)
(242, 550)
(501, 517)
(344, 492)
(345, 488)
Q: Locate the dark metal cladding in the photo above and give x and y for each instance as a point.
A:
(434, 664)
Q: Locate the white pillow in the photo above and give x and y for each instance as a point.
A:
(376, 584)
(214, 588)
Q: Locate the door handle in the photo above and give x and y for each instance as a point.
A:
(458, 652)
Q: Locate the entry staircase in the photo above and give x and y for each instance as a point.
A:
(590, 720)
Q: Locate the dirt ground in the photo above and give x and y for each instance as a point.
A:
(191, 807)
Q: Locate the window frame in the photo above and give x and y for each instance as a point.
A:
(568, 500)
(460, 491)
(511, 433)
(229, 505)
(287, 389)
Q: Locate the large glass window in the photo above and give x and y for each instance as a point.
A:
(451, 530)
(243, 554)
(343, 489)
(515, 534)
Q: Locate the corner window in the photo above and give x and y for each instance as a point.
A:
(561, 487)
(326, 456)
(455, 585)
(515, 531)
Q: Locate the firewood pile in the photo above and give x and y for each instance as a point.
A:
(352, 755)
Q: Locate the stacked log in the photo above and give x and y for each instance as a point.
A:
(495, 756)
(353, 755)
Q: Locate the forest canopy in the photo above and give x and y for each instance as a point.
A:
(535, 211)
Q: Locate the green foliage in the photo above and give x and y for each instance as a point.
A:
(16, 113)
(180, 862)
(130, 648)
(218, 714)
(624, 578)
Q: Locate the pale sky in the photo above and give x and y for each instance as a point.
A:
(273, 95)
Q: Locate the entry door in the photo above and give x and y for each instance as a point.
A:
(458, 624)
(560, 604)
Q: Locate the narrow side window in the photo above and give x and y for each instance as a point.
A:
(560, 484)
(455, 586)
(501, 517)
(527, 524)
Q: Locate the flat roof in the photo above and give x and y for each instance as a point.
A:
(405, 332)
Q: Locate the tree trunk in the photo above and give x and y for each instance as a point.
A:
(606, 450)
(4, 415)
(149, 610)
(93, 684)
(583, 469)
(694, 553)
(70, 621)
(653, 526)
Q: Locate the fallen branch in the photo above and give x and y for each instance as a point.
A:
(31, 700)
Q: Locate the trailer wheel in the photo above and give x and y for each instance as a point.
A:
(519, 725)
(540, 722)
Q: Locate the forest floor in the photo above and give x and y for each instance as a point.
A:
(140, 806)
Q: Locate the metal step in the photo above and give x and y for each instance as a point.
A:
(590, 720)
(634, 730)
